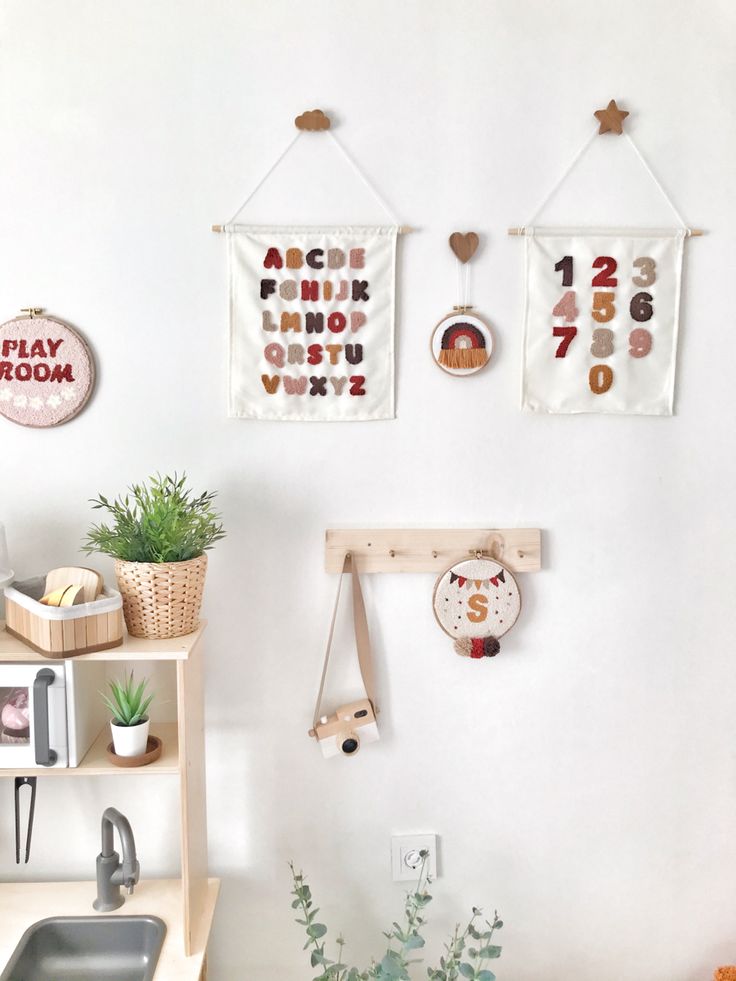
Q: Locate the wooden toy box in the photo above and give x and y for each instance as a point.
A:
(63, 632)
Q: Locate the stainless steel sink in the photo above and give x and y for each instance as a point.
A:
(88, 948)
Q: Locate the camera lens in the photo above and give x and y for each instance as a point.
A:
(350, 745)
(361, 714)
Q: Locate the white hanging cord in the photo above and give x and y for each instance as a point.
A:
(651, 173)
(268, 173)
(564, 177)
(363, 177)
(463, 283)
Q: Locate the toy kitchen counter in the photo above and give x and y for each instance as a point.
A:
(25, 903)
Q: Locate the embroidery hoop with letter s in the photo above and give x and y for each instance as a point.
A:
(476, 601)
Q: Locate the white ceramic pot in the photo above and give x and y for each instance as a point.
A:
(130, 740)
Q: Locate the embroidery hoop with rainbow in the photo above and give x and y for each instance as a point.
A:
(462, 343)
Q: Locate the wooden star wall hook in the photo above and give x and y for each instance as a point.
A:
(611, 118)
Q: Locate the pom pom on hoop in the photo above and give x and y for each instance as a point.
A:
(477, 647)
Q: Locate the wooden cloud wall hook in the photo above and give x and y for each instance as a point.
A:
(313, 120)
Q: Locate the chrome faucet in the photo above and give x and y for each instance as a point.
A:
(111, 872)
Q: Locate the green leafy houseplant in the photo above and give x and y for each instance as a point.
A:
(158, 521)
(466, 956)
(128, 703)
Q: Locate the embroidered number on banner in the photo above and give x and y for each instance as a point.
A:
(641, 307)
(600, 379)
(602, 346)
(567, 334)
(603, 307)
(640, 342)
(608, 267)
(566, 307)
(648, 273)
(565, 267)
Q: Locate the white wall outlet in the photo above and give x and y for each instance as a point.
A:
(406, 859)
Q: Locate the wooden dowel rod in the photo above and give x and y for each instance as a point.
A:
(692, 232)
(403, 229)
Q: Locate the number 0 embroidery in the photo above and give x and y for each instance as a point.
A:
(600, 379)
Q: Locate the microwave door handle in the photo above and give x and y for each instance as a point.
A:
(45, 756)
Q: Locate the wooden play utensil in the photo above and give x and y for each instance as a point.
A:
(90, 580)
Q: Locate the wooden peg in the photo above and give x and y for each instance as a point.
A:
(464, 244)
(312, 120)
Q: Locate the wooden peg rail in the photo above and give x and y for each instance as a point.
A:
(431, 550)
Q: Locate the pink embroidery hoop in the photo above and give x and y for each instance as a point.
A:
(39, 389)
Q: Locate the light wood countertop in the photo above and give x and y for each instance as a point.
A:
(24, 903)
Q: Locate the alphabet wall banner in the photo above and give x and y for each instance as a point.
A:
(312, 322)
(602, 319)
(47, 372)
(477, 601)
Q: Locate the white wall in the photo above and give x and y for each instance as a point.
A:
(584, 782)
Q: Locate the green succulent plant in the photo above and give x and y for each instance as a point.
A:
(128, 703)
(157, 521)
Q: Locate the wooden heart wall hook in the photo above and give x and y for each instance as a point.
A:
(464, 245)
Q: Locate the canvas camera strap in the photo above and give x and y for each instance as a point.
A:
(362, 640)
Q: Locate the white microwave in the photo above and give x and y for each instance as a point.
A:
(50, 713)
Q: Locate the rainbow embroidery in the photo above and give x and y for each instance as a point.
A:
(463, 347)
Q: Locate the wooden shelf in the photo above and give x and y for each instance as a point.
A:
(132, 649)
(96, 763)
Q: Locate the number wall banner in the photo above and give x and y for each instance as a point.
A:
(312, 322)
(601, 323)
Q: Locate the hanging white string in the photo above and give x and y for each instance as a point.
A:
(463, 283)
(363, 177)
(565, 175)
(651, 173)
(583, 149)
(268, 173)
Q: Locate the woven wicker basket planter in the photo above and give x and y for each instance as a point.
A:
(161, 600)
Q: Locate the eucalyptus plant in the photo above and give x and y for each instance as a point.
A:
(158, 521)
(467, 954)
